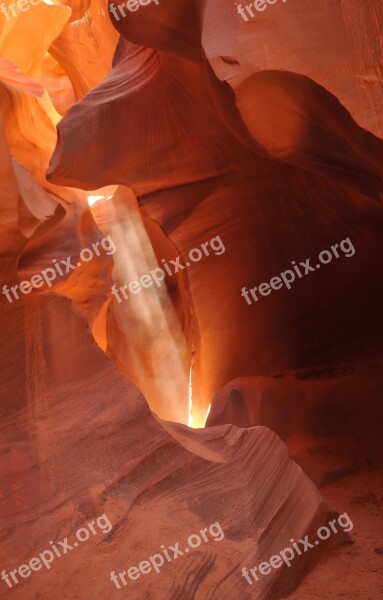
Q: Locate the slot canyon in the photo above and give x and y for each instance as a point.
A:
(191, 310)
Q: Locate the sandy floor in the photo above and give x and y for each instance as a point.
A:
(352, 571)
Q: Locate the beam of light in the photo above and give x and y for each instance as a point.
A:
(152, 349)
(197, 421)
(190, 416)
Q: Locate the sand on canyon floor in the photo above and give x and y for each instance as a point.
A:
(354, 570)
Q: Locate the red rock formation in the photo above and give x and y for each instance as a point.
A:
(264, 133)
(211, 178)
(89, 445)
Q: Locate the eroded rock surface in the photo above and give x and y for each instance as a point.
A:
(266, 133)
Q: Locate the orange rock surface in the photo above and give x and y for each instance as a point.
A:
(178, 123)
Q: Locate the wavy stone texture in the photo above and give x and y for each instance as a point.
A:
(333, 43)
(211, 178)
(268, 134)
(330, 420)
(87, 444)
